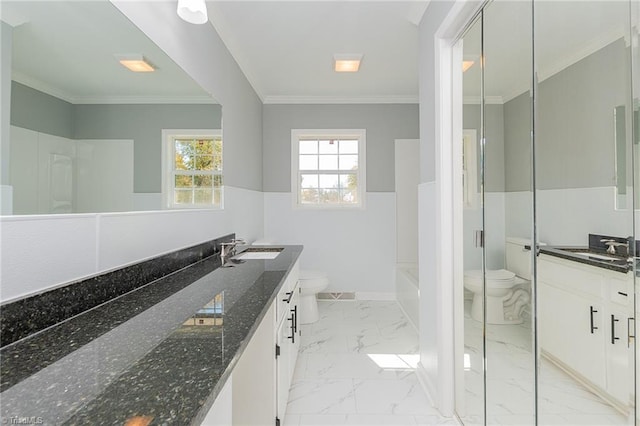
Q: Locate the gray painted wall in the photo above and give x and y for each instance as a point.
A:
(144, 124)
(34, 110)
(384, 123)
(575, 122)
(37, 111)
(494, 147)
(6, 37)
(199, 50)
(517, 143)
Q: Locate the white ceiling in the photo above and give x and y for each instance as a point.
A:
(286, 48)
(67, 48)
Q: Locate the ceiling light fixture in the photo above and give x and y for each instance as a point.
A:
(466, 65)
(136, 63)
(193, 11)
(346, 62)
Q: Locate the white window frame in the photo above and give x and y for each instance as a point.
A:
(168, 135)
(361, 134)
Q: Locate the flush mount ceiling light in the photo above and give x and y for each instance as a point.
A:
(346, 62)
(193, 11)
(135, 63)
(466, 65)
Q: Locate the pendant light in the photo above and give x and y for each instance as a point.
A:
(193, 11)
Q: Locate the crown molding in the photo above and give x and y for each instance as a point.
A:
(85, 100)
(341, 100)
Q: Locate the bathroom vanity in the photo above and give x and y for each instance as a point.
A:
(204, 342)
(586, 321)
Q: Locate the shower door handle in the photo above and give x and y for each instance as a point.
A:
(591, 312)
(478, 238)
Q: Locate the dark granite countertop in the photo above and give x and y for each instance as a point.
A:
(570, 253)
(162, 351)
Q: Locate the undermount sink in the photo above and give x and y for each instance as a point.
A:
(257, 253)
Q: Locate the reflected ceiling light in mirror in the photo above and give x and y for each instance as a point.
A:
(135, 63)
(193, 11)
(346, 62)
(466, 65)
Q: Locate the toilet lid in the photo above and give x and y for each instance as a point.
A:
(311, 274)
(501, 276)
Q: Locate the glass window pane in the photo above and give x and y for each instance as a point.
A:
(308, 162)
(217, 197)
(309, 181)
(328, 181)
(184, 154)
(204, 162)
(309, 196)
(349, 146)
(203, 196)
(203, 181)
(217, 181)
(349, 181)
(348, 162)
(183, 181)
(328, 162)
(348, 196)
(308, 147)
(329, 146)
(330, 196)
(204, 147)
(183, 196)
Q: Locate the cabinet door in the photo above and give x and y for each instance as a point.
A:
(619, 356)
(253, 379)
(572, 331)
(282, 368)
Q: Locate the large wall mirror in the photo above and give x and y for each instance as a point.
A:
(86, 133)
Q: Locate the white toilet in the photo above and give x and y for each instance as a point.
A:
(311, 283)
(507, 290)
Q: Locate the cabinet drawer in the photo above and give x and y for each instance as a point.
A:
(620, 291)
(287, 292)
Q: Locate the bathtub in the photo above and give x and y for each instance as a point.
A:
(408, 292)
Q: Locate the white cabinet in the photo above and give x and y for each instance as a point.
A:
(585, 320)
(258, 390)
(571, 332)
(254, 377)
(287, 341)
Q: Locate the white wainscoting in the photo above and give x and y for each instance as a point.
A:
(567, 216)
(44, 251)
(355, 247)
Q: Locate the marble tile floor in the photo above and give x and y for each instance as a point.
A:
(357, 367)
(510, 378)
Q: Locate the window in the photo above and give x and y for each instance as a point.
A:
(328, 168)
(193, 175)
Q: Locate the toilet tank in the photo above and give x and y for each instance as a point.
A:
(518, 260)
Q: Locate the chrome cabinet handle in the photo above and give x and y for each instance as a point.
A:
(591, 312)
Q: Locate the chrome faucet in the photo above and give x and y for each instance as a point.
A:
(228, 250)
(612, 244)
